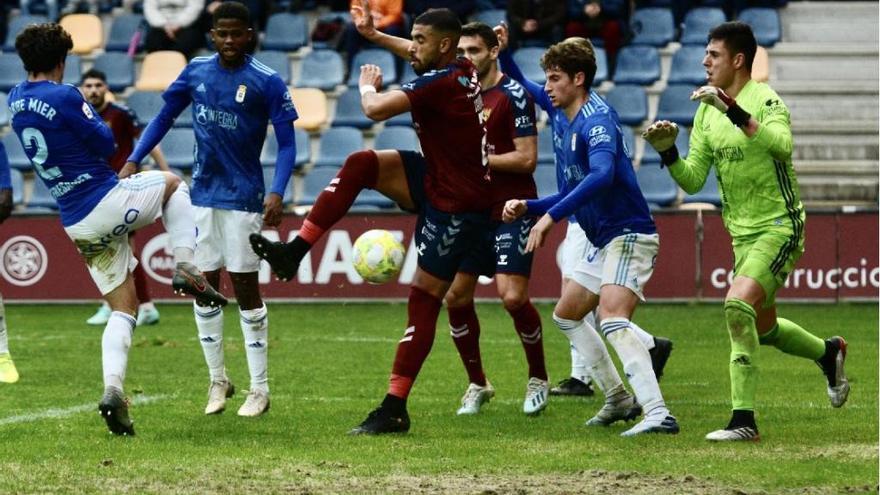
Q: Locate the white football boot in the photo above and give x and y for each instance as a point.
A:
(537, 393)
(474, 397)
(217, 395)
(257, 403)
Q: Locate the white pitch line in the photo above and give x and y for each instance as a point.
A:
(70, 411)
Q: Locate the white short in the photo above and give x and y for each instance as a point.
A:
(102, 236)
(628, 260)
(574, 248)
(222, 239)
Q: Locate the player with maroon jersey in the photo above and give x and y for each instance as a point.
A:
(124, 125)
(448, 187)
(510, 129)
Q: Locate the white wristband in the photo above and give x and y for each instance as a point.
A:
(367, 88)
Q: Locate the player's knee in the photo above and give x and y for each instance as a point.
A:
(739, 316)
(514, 300)
(456, 299)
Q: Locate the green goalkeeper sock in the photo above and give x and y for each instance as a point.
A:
(791, 338)
(740, 317)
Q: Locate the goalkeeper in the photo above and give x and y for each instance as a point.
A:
(742, 127)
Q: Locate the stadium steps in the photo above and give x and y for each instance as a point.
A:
(830, 22)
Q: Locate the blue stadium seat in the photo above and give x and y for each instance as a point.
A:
(652, 26)
(546, 154)
(121, 32)
(349, 112)
(657, 185)
(631, 103)
(336, 144)
(765, 24)
(17, 186)
(372, 197)
(4, 110)
(383, 58)
(269, 176)
(682, 142)
(709, 193)
(343, 17)
(40, 197)
(403, 119)
(286, 32)
(676, 105)
(178, 147)
(303, 147)
(397, 138)
(409, 73)
(322, 69)
(637, 65)
(11, 71)
(697, 24)
(185, 119)
(146, 104)
(17, 25)
(315, 182)
(269, 154)
(545, 180)
(529, 62)
(687, 66)
(492, 17)
(15, 152)
(119, 69)
(277, 61)
(601, 66)
(629, 140)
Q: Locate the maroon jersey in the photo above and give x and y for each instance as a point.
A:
(509, 113)
(123, 122)
(446, 112)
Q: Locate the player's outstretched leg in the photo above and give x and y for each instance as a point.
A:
(115, 344)
(8, 373)
(832, 366)
(114, 409)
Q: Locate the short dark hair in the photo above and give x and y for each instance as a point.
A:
(93, 74)
(232, 10)
(482, 30)
(443, 20)
(738, 38)
(571, 56)
(42, 47)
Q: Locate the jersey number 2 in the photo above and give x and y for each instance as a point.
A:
(33, 138)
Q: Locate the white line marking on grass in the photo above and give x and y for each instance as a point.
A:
(70, 411)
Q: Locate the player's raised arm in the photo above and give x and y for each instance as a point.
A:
(380, 106)
(362, 17)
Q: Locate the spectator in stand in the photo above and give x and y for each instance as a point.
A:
(259, 13)
(461, 8)
(603, 19)
(535, 22)
(174, 25)
(51, 8)
(387, 17)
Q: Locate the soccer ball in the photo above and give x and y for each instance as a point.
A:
(377, 256)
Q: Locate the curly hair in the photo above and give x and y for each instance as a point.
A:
(43, 46)
(571, 56)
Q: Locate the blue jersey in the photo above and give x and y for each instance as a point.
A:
(5, 174)
(67, 143)
(231, 109)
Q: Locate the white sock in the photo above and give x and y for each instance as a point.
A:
(589, 345)
(636, 364)
(646, 338)
(209, 322)
(4, 342)
(114, 348)
(177, 216)
(255, 328)
(578, 365)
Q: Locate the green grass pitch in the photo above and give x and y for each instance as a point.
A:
(328, 366)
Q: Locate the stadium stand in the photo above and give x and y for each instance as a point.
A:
(315, 182)
(397, 138)
(15, 152)
(687, 66)
(657, 185)
(676, 105)
(349, 112)
(185, 119)
(119, 69)
(322, 69)
(122, 29)
(277, 61)
(408, 73)
(11, 71)
(403, 119)
(709, 193)
(17, 25)
(601, 66)
(86, 30)
(652, 26)
(383, 58)
(72, 70)
(371, 197)
(146, 104)
(286, 32)
(17, 180)
(697, 24)
(629, 140)
(492, 17)
(545, 180)
(650, 155)
(630, 101)
(4, 111)
(268, 176)
(765, 24)
(159, 70)
(178, 147)
(545, 146)
(269, 153)
(529, 61)
(311, 105)
(637, 65)
(336, 144)
(40, 198)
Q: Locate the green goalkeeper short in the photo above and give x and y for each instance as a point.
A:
(768, 258)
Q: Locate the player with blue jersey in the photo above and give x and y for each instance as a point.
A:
(68, 145)
(601, 190)
(233, 96)
(8, 372)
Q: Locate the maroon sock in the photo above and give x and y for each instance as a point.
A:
(413, 348)
(465, 329)
(360, 171)
(527, 322)
(140, 284)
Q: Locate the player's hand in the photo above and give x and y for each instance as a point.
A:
(539, 232)
(716, 97)
(661, 135)
(513, 209)
(5, 204)
(362, 18)
(503, 35)
(371, 75)
(128, 169)
(272, 210)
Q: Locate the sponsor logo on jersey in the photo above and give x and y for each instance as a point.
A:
(239, 95)
(729, 153)
(87, 111)
(206, 115)
(596, 130)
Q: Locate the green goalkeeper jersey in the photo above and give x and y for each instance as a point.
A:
(759, 189)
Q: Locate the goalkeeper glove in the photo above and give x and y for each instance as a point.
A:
(661, 136)
(717, 98)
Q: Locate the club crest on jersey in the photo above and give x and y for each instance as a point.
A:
(239, 95)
